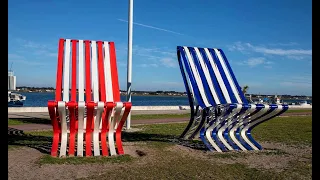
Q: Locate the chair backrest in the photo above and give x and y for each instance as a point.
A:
(89, 67)
(209, 76)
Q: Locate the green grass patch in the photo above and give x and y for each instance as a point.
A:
(15, 122)
(241, 154)
(47, 159)
(40, 133)
(19, 121)
(228, 155)
(298, 110)
(272, 152)
(174, 166)
(289, 130)
(174, 129)
(13, 147)
(159, 116)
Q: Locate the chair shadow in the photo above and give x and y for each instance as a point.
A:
(43, 143)
(33, 120)
(17, 137)
(139, 136)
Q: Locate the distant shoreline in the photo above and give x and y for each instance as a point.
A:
(161, 95)
(120, 94)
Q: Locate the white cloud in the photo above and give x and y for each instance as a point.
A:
(282, 52)
(304, 80)
(37, 48)
(284, 44)
(147, 65)
(247, 47)
(296, 84)
(252, 62)
(121, 64)
(15, 58)
(237, 46)
(255, 61)
(30, 63)
(168, 62)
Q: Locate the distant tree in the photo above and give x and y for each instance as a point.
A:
(245, 89)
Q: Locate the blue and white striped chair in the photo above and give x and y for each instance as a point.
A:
(220, 114)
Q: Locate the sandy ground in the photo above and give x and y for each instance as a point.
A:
(23, 161)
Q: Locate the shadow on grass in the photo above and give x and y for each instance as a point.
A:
(31, 120)
(43, 143)
(17, 138)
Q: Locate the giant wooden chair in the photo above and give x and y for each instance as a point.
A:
(92, 112)
(220, 114)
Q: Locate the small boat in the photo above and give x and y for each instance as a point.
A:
(15, 99)
(304, 103)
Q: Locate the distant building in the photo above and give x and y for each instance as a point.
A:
(11, 81)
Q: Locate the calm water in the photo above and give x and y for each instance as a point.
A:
(41, 99)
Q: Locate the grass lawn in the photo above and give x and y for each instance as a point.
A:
(133, 117)
(163, 161)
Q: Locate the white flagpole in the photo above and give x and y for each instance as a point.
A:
(129, 68)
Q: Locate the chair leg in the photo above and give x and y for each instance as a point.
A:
(127, 108)
(241, 121)
(223, 126)
(212, 136)
(112, 123)
(246, 131)
(105, 126)
(215, 124)
(206, 131)
(230, 124)
(96, 143)
(81, 109)
(64, 129)
(198, 123)
(237, 122)
(72, 135)
(90, 114)
(56, 128)
(191, 121)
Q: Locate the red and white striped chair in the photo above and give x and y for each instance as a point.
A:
(95, 111)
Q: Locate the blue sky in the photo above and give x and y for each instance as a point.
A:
(268, 43)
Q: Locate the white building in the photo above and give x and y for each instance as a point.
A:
(11, 81)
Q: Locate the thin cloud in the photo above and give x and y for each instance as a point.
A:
(296, 84)
(168, 62)
(30, 63)
(152, 27)
(283, 52)
(295, 80)
(252, 62)
(36, 48)
(15, 58)
(122, 64)
(247, 47)
(284, 44)
(147, 65)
